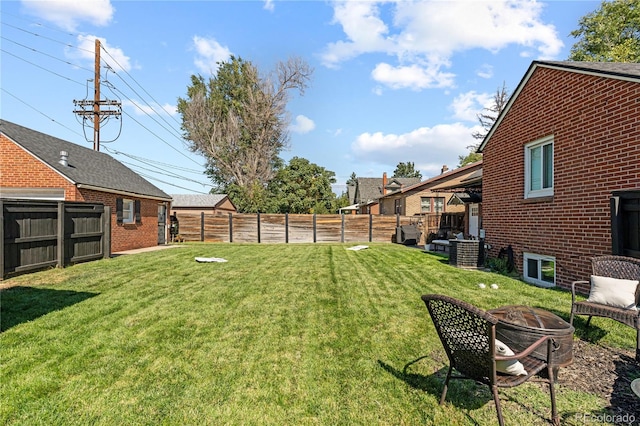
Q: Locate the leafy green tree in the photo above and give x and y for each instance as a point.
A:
(302, 187)
(609, 34)
(407, 170)
(238, 121)
(352, 179)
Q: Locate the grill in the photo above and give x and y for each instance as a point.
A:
(407, 235)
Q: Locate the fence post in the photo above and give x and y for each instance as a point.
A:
(230, 228)
(286, 227)
(370, 227)
(342, 229)
(201, 226)
(61, 230)
(258, 217)
(106, 232)
(314, 227)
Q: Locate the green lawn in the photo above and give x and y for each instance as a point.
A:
(280, 334)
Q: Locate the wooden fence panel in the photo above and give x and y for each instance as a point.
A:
(328, 228)
(300, 228)
(272, 228)
(37, 235)
(189, 226)
(245, 228)
(357, 228)
(216, 228)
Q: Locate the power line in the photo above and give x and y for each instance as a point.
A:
(45, 37)
(42, 68)
(162, 140)
(153, 162)
(171, 184)
(38, 111)
(45, 54)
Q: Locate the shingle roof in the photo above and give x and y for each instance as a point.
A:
(85, 166)
(621, 69)
(369, 189)
(197, 200)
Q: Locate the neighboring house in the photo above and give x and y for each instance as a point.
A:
(202, 203)
(433, 196)
(565, 149)
(369, 190)
(36, 166)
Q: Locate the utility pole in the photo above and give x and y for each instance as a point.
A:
(113, 108)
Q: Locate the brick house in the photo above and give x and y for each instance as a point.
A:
(36, 166)
(566, 144)
(435, 196)
(367, 191)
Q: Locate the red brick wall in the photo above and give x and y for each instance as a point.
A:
(20, 169)
(594, 122)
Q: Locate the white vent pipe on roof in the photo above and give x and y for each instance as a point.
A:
(64, 158)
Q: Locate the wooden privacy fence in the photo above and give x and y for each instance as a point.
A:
(290, 228)
(37, 235)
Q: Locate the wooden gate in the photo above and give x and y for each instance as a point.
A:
(42, 234)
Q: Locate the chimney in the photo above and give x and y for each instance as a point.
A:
(384, 183)
(444, 169)
(64, 158)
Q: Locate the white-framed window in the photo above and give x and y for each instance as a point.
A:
(539, 269)
(426, 204)
(538, 168)
(128, 211)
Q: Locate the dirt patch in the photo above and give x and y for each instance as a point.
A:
(604, 372)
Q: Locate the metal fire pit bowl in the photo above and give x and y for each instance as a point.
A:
(520, 326)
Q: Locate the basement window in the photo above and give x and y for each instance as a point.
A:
(539, 269)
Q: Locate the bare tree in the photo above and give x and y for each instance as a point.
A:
(238, 120)
(489, 115)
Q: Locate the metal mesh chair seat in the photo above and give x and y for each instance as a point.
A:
(468, 335)
(620, 267)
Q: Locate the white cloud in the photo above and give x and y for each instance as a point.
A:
(412, 77)
(140, 108)
(269, 5)
(302, 125)
(466, 106)
(425, 35)
(68, 14)
(209, 53)
(114, 56)
(485, 71)
(428, 147)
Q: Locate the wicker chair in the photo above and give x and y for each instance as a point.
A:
(620, 267)
(468, 336)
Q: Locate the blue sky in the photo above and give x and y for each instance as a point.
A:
(393, 81)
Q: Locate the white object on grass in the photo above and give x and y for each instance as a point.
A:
(494, 286)
(210, 259)
(358, 248)
(481, 285)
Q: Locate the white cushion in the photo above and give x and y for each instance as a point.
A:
(513, 367)
(613, 292)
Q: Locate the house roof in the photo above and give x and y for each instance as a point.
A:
(615, 70)
(86, 168)
(197, 200)
(471, 179)
(369, 189)
(464, 172)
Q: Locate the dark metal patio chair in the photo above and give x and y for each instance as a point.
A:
(468, 335)
(620, 267)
